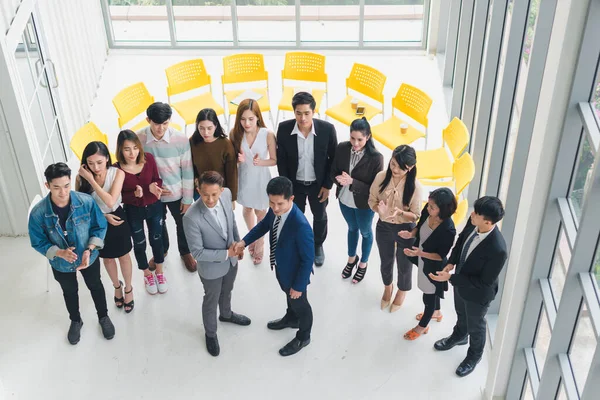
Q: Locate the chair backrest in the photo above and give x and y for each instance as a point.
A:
(245, 67)
(413, 102)
(366, 80)
(304, 66)
(131, 102)
(185, 76)
(456, 137)
(461, 212)
(86, 134)
(464, 171)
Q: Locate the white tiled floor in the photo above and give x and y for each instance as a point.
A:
(357, 351)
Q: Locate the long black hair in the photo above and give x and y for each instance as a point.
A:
(406, 157)
(91, 149)
(362, 125)
(207, 114)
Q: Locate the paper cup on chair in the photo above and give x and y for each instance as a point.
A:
(354, 103)
(403, 128)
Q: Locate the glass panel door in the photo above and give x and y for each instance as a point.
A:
(38, 79)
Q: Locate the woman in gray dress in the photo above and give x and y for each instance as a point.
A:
(434, 237)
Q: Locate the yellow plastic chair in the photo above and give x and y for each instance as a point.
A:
(436, 163)
(86, 134)
(305, 67)
(413, 103)
(463, 171)
(131, 102)
(186, 76)
(363, 80)
(461, 212)
(245, 68)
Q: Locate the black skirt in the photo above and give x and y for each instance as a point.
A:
(117, 242)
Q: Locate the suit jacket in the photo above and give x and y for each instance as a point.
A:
(477, 280)
(363, 174)
(440, 242)
(287, 151)
(205, 238)
(295, 251)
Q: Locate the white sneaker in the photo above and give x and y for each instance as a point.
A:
(150, 283)
(163, 286)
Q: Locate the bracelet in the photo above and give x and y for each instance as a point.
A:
(90, 249)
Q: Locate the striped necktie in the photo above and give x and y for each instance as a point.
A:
(274, 241)
(465, 251)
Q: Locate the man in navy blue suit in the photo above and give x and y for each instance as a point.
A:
(292, 256)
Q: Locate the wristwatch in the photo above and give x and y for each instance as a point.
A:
(90, 249)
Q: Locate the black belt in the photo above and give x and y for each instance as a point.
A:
(306, 183)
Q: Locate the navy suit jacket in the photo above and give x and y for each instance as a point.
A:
(295, 252)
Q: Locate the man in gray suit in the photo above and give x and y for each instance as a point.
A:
(211, 232)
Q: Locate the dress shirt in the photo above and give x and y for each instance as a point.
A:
(306, 154)
(346, 196)
(150, 138)
(219, 215)
(282, 221)
(392, 196)
(477, 240)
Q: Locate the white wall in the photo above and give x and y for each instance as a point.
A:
(74, 39)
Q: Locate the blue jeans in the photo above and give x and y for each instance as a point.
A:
(153, 215)
(359, 220)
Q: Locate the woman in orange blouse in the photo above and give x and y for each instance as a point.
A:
(396, 196)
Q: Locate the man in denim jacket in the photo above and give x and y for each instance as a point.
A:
(68, 228)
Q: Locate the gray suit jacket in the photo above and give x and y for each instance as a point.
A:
(205, 239)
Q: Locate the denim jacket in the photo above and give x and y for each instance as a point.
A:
(86, 225)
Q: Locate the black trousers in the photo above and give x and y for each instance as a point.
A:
(432, 303)
(174, 208)
(299, 310)
(68, 283)
(318, 209)
(470, 321)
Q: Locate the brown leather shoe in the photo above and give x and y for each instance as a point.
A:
(189, 262)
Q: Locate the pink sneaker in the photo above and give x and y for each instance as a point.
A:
(150, 284)
(162, 283)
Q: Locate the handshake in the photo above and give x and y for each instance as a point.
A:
(236, 250)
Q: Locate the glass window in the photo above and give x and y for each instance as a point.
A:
(596, 266)
(329, 20)
(562, 258)
(583, 346)
(534, 7)
(595, 99)
(393, 20)
(542, 341)
(581, 179)
(203, 21)
(139, 20)
(527, 392)
(266, 21)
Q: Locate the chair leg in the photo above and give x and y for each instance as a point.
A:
(277, 117)
(271, 118)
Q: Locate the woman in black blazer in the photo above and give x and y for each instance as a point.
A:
(434, 235)
(355, 165)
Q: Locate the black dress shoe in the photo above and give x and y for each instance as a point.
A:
(449, 342)
(74, 332)
(466, 367)
(237, 319)
(212, 345)
(293, 347)
(319, 256)
(108, 329)
(282, 323)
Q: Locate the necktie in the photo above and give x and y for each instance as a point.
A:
(216, 215)
(465, 251)
(274, 241)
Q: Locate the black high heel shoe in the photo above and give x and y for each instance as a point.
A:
(360, 274)
(128, 306)
(119, 301)
(349, 268)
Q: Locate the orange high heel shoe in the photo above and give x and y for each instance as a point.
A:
(412, 334)
(438, 318)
